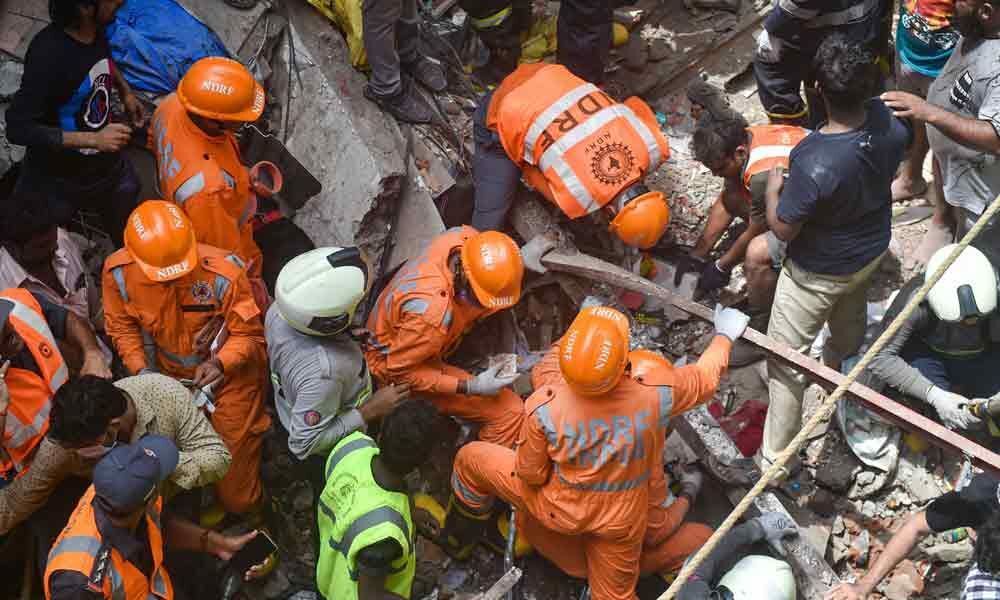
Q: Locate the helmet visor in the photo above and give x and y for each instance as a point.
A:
(331, 325)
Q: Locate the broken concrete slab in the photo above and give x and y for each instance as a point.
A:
(232, 25)
(417, 221)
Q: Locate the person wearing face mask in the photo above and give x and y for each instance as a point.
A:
(962, 111)
(423, 313)
(91, 415)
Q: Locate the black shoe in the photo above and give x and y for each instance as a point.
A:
(744, 353)
(407, 105)
(428, 72)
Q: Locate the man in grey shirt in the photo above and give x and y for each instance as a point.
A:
(963, 112)
(322, 388)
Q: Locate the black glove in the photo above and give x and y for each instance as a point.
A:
(712, 278)
(687, 264)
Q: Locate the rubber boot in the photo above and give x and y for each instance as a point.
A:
(496, 536)
(456, 531)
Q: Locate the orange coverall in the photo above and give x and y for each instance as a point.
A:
(669, 539)
(417, 322)
(203, 174)
(584, 468)
(153, 326)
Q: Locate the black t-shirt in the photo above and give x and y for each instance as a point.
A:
(971, 507)
(838, 187)
(66, 86)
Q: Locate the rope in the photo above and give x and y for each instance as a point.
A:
(826, 409)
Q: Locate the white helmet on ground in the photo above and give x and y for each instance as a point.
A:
(758, 578)
(318, 292)
(967, 289)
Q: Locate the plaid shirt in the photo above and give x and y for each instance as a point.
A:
(980, 586)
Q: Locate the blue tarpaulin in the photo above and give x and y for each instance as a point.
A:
(153, 42)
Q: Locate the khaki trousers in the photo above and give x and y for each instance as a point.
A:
(803, 302)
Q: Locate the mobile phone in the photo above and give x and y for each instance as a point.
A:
(254, 553)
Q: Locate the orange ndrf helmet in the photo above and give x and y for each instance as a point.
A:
(643, 218)
(651, 368)
(492, 263)
(594, 352)
(160, 238)
(221, 89)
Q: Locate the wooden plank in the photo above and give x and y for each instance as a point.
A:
(702, 432)
(583, 265)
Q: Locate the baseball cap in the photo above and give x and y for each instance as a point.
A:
(126, 477)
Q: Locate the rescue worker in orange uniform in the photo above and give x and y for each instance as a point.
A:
(425, 310)
(185, 309)
(573, 144)
(32, 369)
(669, 540)
(113, 545)
(198, 159)
(581, 473)
(742, 156)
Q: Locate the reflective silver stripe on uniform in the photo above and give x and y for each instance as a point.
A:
(792, 8)
(230, 180)
(192, 186)
(77, 543)
(159, 585)
(553, 157)
(25, 431)
(117, 583)
(221, 287)
(346, 449)
(767, 152)
(190, 360)
(148, 344)
(446, 321)
(545, 418)
(648, 138)
(415, 305)
(842, 17)
(666, 394)
(493, 20)
(36, 322)
(547, 116)
(605, 486)
(236, 260)
(462, 490)
(327, 511)
(372, 518)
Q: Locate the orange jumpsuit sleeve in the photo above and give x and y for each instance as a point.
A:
(696, 384)
(213, 224)
(416, 354)
(531, 460)
(125, 331)
(246, 332)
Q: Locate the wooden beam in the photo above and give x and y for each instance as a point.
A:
(583, 265)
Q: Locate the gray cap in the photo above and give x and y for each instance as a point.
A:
(127, 476)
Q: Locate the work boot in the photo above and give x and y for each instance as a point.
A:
(497, 532)
(428, 72)
(744, 353)
(456, 531)
(406, 105)
(710, 99)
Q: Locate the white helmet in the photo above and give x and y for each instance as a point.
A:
(318, 292)
(758, 578)
(967, 289)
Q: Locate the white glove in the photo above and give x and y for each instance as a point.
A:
(730, 322)
(534, 250)
(691, 481)
(951, 409)
(489, 382)
(775, 527)
(768, 48)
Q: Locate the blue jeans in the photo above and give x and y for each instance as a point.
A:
(494, 174)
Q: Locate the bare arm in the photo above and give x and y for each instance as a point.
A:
(979, 134)
(738, 251)
(898, 548)
(719, 220)
(786, 232)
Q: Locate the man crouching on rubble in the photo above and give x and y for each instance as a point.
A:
(742, 156)
(946, 352)
(573, 144)
(976, 506)
(427, 308)
(583, 500)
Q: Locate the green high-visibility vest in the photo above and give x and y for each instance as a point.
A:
(355, 512)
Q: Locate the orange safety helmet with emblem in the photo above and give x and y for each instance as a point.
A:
(221, 89)
(643, 218)
(492, 263)
(594, 352)
(161, 240)
(644, 362)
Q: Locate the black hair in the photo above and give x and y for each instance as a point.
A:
(65, 13)
(846, 72)
(407, 436)
(987, 551)
(83, 408)
(715, 140)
